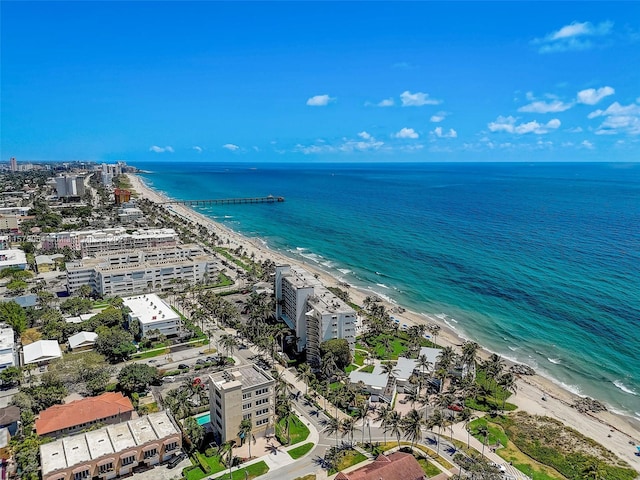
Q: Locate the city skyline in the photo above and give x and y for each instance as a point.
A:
(307, 81)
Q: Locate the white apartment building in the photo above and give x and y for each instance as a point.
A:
(143, 271)
(150, 312)
(312, 310)
(13, 258)
(8, 353)
(100, 243)
(129, 214)
(246, 392)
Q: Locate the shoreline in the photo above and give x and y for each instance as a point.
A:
(614, 431)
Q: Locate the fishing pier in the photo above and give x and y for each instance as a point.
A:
(224, 201)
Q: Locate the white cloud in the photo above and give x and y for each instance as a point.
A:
(158, 149)
(546, 107)
(618, 119)
(575, 130)
(591, 96)
(406, 133)
(347, 145)
(440, 133)
(231, 147)
(508, 124)
(387, 102)
(438, 117)
(587, 144)
(197, 148)
(575, 36)
(319, 100)
(417, 99)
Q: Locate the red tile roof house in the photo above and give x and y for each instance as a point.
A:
(108, 408)
(397, 466)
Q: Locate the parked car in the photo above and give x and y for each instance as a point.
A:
(176, 460)
(200, 361)
(456, 407)
(183, 366)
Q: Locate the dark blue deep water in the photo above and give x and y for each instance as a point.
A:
(538, 262)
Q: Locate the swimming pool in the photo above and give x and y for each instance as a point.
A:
(203, 418)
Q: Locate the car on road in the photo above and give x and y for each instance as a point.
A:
(183, 366)
(169, 379)
(456, 407)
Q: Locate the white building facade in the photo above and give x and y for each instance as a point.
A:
(145, 271)
(150, 313)
(312, 310)
(8, 355)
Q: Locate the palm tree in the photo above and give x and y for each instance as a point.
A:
(493, 368)
(229, 343)
(508, 383)
(469, 355)
(433, 330)
(390, 369)
(411, 426)
(305, 375)
(483, 431)
(382, 415)
(245, 432)
(412, 397)
(437, 420)
(333, 426)
(347, 427)
(425, 365)
(394, 425)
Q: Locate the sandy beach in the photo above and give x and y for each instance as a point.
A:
(616, 432)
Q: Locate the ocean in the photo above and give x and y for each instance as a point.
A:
(537, 262)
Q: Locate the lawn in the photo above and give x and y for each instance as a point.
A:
(151, 353)
(359, 357)
(252, 471)
(429, 468)
(496, 434)
(350, 368)
(300, 451)
(350, 458)
(191, 473)
(298, 431)
(311, 476)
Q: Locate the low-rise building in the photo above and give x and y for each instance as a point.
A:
(70, 418)
(397, 466)
(112, 451)
(13, 258)
(129, 214)
(150, 312)
(7, 347)
(47, 263)
(82, 341)
(314, 312)
(245, 392)
(9, 418)
(60, 240)
(42, 351)
(378, 384)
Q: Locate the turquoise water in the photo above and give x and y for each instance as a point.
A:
(203, 419)
(538, 262)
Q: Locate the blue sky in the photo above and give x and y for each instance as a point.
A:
(332, 81)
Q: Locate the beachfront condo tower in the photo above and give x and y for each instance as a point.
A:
(310, 309)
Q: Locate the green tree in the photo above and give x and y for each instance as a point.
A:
(411, 424)
(85, 291)
(194, 431)
(136, 377)
(244, 432)
(13, 315)
(26, 457)
(394, 425)
(115, 343)
(80, 372)
(76, 306)
(17, 287)
(11, 375)
(339, 348)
